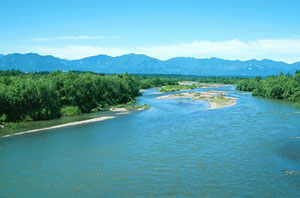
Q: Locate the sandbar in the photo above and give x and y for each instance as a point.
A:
(117, 109)
(216, 99)
(63, 125)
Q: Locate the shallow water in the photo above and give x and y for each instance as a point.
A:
(174, 149)
(26, 126)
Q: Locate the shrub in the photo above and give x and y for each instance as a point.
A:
(70, 110)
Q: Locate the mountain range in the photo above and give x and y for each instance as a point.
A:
(142, 64)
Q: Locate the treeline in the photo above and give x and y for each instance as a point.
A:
(41, 97)
(284, 87)
(221, 80)
(174, 78)
(150, 82)
(48, 95)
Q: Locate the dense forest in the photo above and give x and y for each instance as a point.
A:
(48, 95)
(200, 79)
(284, 87)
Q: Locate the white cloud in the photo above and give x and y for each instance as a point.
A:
(282, 50)
(77, 51)
(71, 38)
(287, 50)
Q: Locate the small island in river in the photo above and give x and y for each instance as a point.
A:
(216, 99)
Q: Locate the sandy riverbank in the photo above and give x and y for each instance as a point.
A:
(117, 109)
(63, 125)
(203, 85)
(216, 99)
(129, 108)
(189, 85)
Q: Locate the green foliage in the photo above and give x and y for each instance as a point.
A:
(172, 88)
(3, 118)
(43, 96)
(48, 95)
(173, 79)
(132, 107)
(219, 99)
(150, 82)
(70, 110)
(284, 87)
(220, 80)
(146, 107)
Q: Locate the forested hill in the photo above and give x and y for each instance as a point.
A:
(142, 64)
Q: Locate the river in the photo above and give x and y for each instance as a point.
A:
(174, 149)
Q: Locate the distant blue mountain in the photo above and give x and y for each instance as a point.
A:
(142, 64)
(32, 62)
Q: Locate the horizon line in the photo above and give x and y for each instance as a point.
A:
(213, 57)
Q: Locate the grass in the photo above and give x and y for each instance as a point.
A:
(173, 88)
(130, 107)
(201, 97)
(70, 111)
(179, 94)
(220, 99)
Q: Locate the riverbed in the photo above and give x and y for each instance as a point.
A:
(177, 148)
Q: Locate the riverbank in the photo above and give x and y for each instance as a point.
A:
(62, 125)
(35, 126)
(203, 85)
(141, 147)
(216, 99)
(129, 107)
(186, 85)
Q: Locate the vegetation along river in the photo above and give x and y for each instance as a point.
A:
(177, 148)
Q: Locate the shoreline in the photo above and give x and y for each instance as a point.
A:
(215, 99)
(62, 125)
(117, 112)
(213, 105)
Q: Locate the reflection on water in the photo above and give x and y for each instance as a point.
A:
(174, 149)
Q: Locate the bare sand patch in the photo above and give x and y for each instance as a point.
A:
(117, 109)
(63, 125)
(203, 85)
(216, 99)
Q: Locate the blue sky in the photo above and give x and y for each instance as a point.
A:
(230, 29)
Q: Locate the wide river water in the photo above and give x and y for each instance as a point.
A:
(174, 149)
